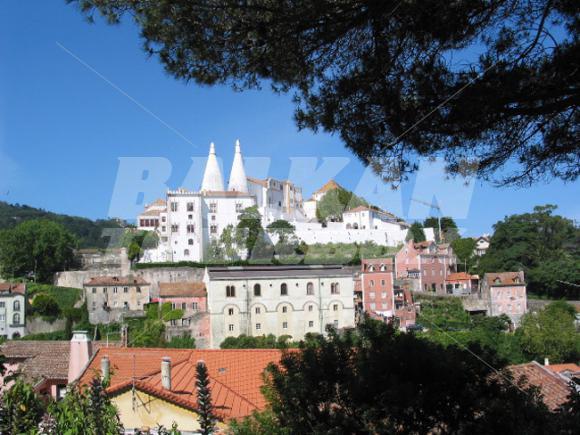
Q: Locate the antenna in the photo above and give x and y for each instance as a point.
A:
(436, 207)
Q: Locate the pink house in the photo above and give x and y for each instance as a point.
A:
(506, 294)
(426, 262)
(191, 297)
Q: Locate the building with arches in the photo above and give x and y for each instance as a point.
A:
(280, 300)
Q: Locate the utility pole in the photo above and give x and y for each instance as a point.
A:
(436, 207)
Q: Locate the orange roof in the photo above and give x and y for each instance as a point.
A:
(460, 276)
(9, 287)
(235, 375)
(505, 278)
(153, 212)
(554, 388)
(157, 202)
(567, 367)
(182, 289)
(329, 185)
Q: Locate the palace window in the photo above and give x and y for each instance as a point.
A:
(283, 289)
(310, 307)
(334, 288)
(230, 327)
(335, 307)
(186, 252)
(174, 228)
(284, 309)
(257, 290)
(239, 207)
(258, 326)
(230, 291)
(311, 324)
(190, 206)
(191, 228)
(190, 242)
(230, 311)
(258, 310)
(174, 206)
(213, 229)
(213, 207)
(309, 289)
(285, 325)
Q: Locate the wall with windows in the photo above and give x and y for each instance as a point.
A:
(12, 315)
(110, 303)
(288, 305)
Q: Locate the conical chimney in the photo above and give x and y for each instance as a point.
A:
(238, 181)
(212, 177)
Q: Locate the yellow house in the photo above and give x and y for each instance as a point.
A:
(153, 387)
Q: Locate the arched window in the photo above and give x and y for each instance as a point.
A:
(230, 291)
(16, 319)
(371, 268)
(283, 289)
(334, 288)
(16, 305)
(190, 242)
(309, 288)
(186, 252)
(257, 290)
(355, 226)
(383, 267)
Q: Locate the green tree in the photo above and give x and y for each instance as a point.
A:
(464, 249)
(207, 419)
(183, 342)
(136, 241)
(545, 246)
(335, 202)
(416, 232)
(37, 248)
(46, 305)
(384, 82)
(249, 232)
(375, 380)
(21, 409)
(550, 333)
(448, 227)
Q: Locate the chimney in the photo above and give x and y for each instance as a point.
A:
(166, 372)
(81, 351)
(546, 362)
(105, 368)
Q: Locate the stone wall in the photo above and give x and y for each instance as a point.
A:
(169, 274)
(36, 325)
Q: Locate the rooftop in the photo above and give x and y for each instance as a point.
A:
(182, 289)
(116, 280)
(460, 276)
(504, 278)
(235, 375)
(290, 271)
(9, 287)
(553, 387)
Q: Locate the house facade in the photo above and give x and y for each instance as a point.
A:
(428, 263)
(113, 298)
(461, 283)
(279, 300)
(12, 310)
(191, 298)
(505, 293)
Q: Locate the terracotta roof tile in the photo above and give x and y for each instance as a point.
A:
(182, 289)
(9, 287)
(236, 375)
(554, 388)
(460, 276)
(567, 367)
(505, 278)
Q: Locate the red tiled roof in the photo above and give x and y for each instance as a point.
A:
(116, 280)
(505, 278)
(329, 185)
(157, 202)
(153, 212)
(555, 390)
(225, 193)
(235, 375)
(460, 276)
(567, 367)
(182, 289)
(10, 287)
(40, 359)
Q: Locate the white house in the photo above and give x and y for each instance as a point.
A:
(279, 300)
(12, 310)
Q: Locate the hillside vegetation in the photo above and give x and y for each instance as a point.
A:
(88, 232)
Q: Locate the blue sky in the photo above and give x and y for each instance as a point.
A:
(75, 98)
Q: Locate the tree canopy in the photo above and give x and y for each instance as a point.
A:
(448, 228)
(335, 202)
(374, 380)
(542, 244)
(37, 248)
(480, 83)
(416, 232)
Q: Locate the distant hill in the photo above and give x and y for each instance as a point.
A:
(89, 232)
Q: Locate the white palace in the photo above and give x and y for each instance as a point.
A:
(186, 221)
